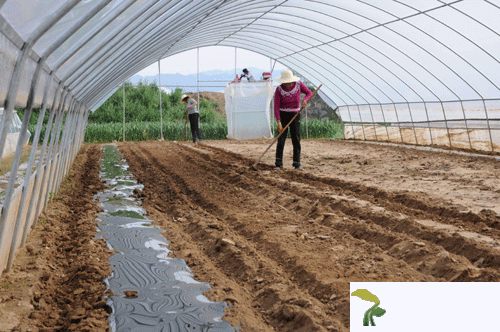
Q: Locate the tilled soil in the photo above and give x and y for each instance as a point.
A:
(56, 283)
(282, 246)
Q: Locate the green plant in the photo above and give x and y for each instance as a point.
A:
(365, 295)
(128, 214)
(7, 285)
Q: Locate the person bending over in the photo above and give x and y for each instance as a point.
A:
(248, 75)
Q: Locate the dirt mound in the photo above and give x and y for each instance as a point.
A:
(215, 97)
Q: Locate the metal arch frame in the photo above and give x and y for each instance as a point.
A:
(230, 6)
(19, 69)
(317, 47)
(125, 23)
(10, 101)
(188, 40)
(157, 37)
(385, 25)
(101, 48)
(498, 34)
(27, 115)
(347, 95)
(222, 15)
(312, 75)
(392, 73)
(371, 28)
(198, 23)
(116, 57)
(90, 35)
(254, 20)
(129, 52)
(370, 81)
(136, 27)
(29, 107)
(348, 85)
(478, 71)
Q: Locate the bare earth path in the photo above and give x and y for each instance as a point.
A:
(282, 246)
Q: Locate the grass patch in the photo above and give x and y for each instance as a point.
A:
(117, 201)
(111, 164)
(128, 214)
(126, 183)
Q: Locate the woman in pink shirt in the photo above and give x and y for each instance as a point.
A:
(286, 106)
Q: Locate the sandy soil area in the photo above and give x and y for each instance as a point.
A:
(279, 246)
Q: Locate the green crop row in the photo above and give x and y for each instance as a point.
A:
(143, 131)
(174, 131)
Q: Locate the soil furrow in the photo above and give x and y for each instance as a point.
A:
(247, 271)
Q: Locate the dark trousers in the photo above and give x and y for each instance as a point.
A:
(295, 133)
(194, 121)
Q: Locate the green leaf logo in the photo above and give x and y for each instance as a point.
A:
(366, 295)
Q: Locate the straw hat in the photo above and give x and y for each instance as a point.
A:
(183, 97)
(287, 77)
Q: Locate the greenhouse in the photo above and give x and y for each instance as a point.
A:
(404, 73)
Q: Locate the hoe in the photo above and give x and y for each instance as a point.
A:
(254, 166)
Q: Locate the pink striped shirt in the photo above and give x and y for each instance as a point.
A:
(289, 100)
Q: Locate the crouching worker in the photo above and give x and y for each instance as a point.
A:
(194, 117)
(286, 106)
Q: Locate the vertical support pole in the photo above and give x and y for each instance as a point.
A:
(13, 173)
(399, 123)
(60, 146)
(428, 122)
(412, 123)
(466, 125)
(39, 166)
(446, 123)
(76, 139)
(27, 176)
(43, 193)
(198, 77)
(69, 145)
(373, 121)
(352, 123)
(385, 122)
(71, 140)
(124, 111)
(235, 73)
(161, 110)
(21, 61)
(489, 127)
(64, 147)
(362, 123)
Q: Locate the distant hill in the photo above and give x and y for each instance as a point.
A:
(189, 82)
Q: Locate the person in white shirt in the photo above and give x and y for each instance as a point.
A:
(194, 117)
(248, 75)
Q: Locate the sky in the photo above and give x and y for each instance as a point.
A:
(211, 58)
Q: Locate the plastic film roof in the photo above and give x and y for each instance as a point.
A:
(363, 52)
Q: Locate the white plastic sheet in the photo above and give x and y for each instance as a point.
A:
(13, 135)
(248, 109)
